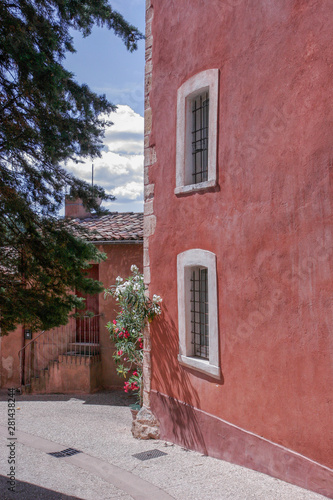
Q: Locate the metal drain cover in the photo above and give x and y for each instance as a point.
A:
(147, 455)
(65, 453)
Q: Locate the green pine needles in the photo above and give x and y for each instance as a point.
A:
(46, 118)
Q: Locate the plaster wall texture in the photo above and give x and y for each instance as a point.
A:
(269, 220)
(10, 364)
(87, 378)
(80, 374)
(120, 257)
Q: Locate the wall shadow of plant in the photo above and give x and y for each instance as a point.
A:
(179, 415)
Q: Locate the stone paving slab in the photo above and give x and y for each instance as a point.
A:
(41, 476)
(99, 426)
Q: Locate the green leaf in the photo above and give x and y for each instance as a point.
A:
(46, 118)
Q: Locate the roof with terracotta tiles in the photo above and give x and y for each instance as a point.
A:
(115, 226)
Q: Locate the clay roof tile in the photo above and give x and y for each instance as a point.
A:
(113, 226)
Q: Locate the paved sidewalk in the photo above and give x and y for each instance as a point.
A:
(98, 426)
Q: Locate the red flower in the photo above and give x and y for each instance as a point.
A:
(114, 322)
(135, 373)
(139, 339)
(120, 352)
(141, 345)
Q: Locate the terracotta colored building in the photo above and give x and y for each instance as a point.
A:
(238, 232)
(78, 356)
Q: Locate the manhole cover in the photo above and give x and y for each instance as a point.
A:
(147, 455)
(65, 453)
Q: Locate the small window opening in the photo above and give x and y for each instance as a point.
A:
(199, 312)
(200, 120)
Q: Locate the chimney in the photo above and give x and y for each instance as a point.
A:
(74, 209)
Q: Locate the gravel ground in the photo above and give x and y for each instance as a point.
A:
(99, 425)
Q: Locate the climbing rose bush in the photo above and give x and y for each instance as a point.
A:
(136, 308)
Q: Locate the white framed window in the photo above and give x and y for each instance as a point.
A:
(198, 311)
(196, 151)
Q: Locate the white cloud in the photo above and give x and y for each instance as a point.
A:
(120, 169)
(121, 120)
(126, 135)
(131, 190)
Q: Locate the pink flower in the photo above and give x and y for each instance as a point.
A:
(120, 334)
(141, 345)
(135, 373)
(120, 352)
(114, 322)
(117, 330)
(139, 339)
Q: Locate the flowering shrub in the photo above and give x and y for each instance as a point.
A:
(127, 329)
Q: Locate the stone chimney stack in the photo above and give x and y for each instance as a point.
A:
(75, 209)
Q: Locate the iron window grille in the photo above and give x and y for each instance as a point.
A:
(200, 115)
(199, 312)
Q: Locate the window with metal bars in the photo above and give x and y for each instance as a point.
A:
(198, 319)
(200, 120)
(197, 131)
(199, 312)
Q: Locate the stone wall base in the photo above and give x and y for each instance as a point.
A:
(145, 426)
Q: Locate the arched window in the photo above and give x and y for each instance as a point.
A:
(197, 112)
(198, 311)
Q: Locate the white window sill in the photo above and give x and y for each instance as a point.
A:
(190, 188)
(201, 365)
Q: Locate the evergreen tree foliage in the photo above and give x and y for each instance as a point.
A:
(46, 118)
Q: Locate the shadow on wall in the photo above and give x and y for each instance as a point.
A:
(176, 414)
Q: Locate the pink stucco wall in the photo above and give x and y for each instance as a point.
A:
(119, 259)
(269, 221)
(10, 366)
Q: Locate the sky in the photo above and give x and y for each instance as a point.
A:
(102, 62)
